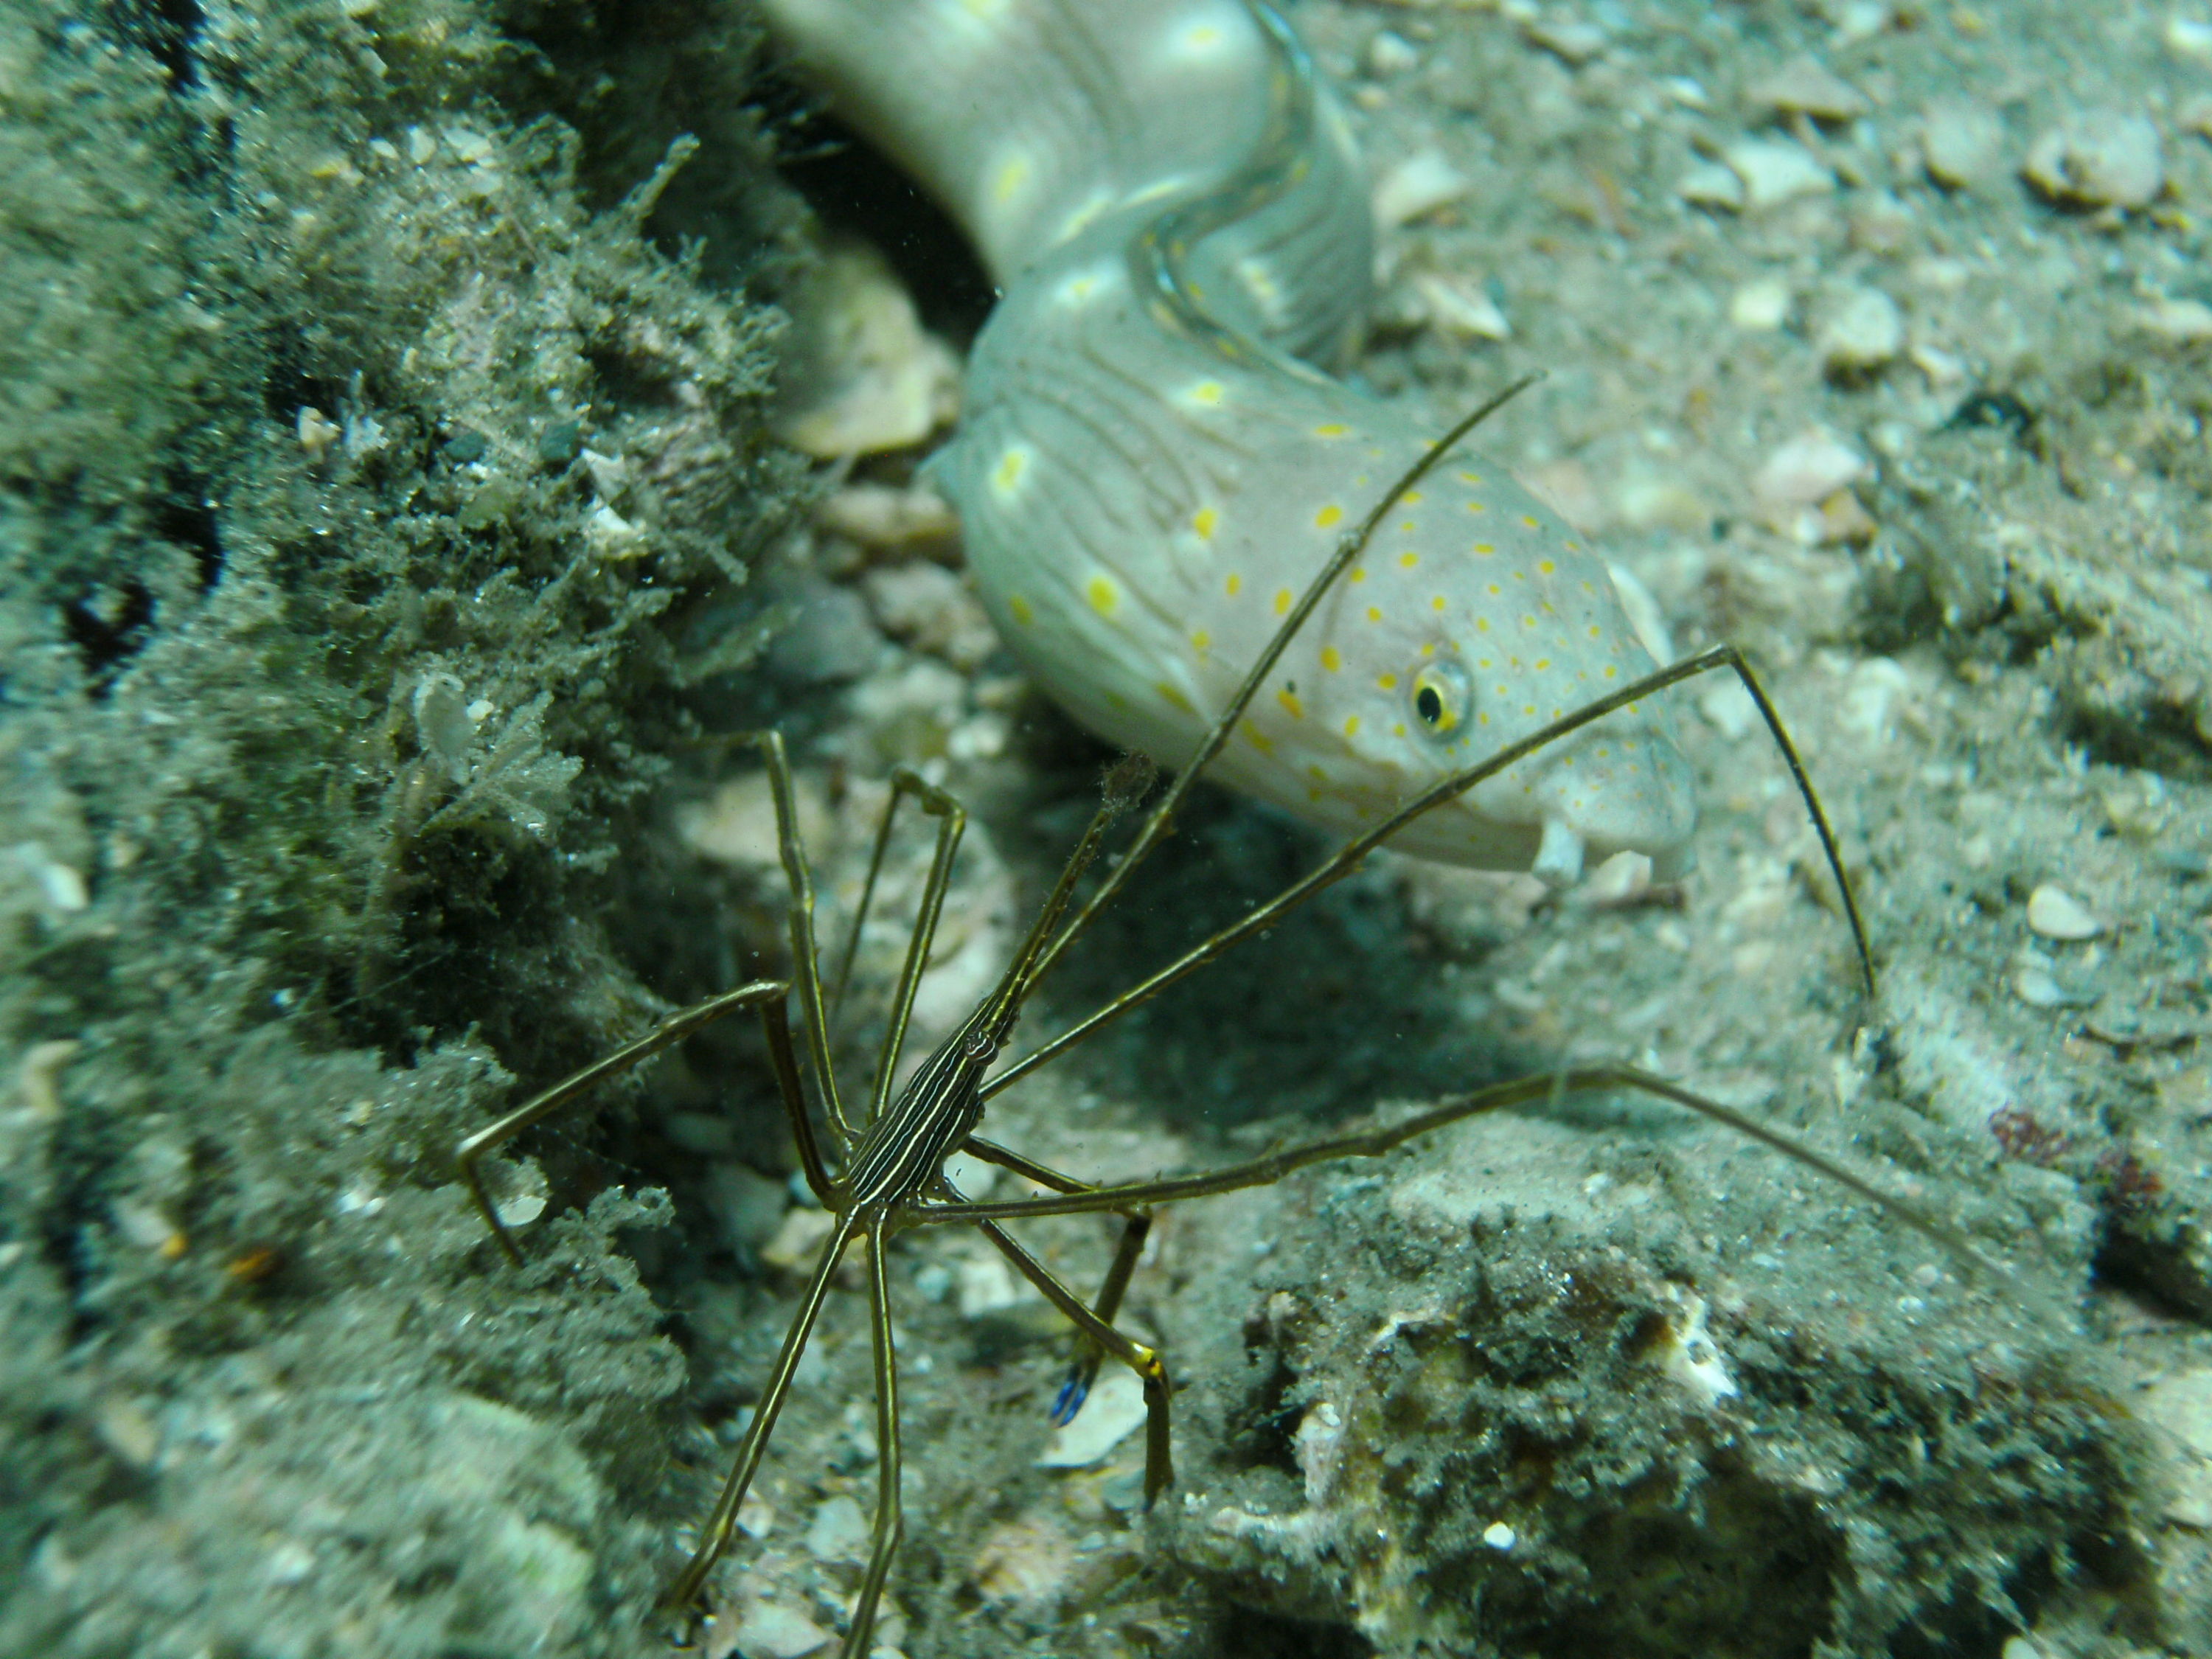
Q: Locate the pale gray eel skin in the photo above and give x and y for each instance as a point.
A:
(1151, 466)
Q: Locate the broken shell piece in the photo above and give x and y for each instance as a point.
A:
(1775, 171)
(1457, 306)
(1622, 880)
(2057, 914)
(521, 1210)
(1645, 615)
(1692, 1360)
(317, 432)
(1416, 187)
(611, 536)
(1319, 1446)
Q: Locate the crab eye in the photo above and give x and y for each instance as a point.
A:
(1442, 695)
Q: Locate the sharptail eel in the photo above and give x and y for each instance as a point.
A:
(1153, 463)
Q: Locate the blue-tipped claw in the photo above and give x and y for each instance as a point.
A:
(1069, 1401)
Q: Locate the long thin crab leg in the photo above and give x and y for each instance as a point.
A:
(1136, 1227)
(1374, 1140)
(766, 994)
(722, 1525)
(952, 822)
(806, 957)
(1159, 1460)
(1346, 857)
(890, 1515)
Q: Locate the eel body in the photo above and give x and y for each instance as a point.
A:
(1151, 464)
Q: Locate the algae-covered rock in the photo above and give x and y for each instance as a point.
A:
(330, 357)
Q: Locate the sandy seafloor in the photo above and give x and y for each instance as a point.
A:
(388, 519)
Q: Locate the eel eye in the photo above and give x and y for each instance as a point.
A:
(1441, 695)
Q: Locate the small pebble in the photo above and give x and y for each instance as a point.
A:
(1710, 185)
(2188, 38)
(2038, 988)
(1729, 709)
(1391, 54)
(987, 1287)
(1962, 144)
(797, 1241)
(1857, 20)
(2098, 159)
(2125, 1027)
(60, 887)
(930, 608)
(1804, 87)
(1025, 1561)
(1880, 223)
(1760, 307)
(2181, 1404)
(2057, 914)
(887, 517)
(933, 1281)
(1861, 331)
(2178, 323)
(736, 827)
(1500, 1536)
(1573, 41)
(769, 1630)
(37, 1079)
(839, 1532)
(1648, 503)
(749, 1207)
(1806, 471)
